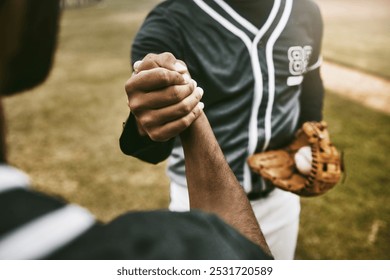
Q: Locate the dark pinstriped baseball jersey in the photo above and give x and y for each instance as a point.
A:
(252, 76)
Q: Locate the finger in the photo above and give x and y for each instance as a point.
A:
(183, 108)
(174, 128)
(181, 67)
(154, 118)
(153, 79)
(161, 98)
(164, 60)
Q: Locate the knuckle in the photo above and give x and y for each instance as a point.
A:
(176, 94)
(186, 108)
(186, 122)
(153, 136)
(164, 76)
(129, 87)
(146, 121)
(168, 55)
(180, 92)
(188, 89)
(149, 56)
(135, 104)
(194, 114)
(149, 62)
(157, 136)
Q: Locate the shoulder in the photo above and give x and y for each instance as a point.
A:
(209, 236)
(164, 235)
(168, 15)
(174, 7)
(308, 7)
(307, 13)
(166, 28)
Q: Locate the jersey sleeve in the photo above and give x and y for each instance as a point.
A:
(159, 33)
(317, 34)
(142, 147)
(156, 35)
(312, 95)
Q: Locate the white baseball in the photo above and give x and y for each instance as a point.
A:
(303, 160)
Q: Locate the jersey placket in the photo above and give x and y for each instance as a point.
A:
(252, 46)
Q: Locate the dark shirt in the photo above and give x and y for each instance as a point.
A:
(258, 63)
(36, 226)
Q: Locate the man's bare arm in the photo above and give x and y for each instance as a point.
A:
(213, 186)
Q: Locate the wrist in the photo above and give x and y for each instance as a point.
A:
(199, 126)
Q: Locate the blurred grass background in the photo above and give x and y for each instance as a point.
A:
(65, 134)
(357, 34)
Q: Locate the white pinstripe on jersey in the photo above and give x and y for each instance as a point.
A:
(252, 46)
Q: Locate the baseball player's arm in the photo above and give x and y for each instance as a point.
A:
(212, 185)
(157, 35)
(312, 96)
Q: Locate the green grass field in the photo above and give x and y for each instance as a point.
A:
(65, 135)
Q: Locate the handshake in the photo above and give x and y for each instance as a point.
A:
(163, 98)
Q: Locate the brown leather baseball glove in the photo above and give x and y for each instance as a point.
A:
(280, 168)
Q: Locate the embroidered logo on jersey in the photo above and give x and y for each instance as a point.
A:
(299, 59)
(298, 62)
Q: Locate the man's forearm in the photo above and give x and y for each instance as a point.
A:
(213, 186)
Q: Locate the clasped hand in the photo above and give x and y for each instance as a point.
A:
(163, 97)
